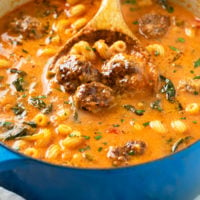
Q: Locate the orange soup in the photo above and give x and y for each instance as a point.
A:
(104, 104)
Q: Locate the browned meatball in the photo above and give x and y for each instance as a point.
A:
(93, 97)
(72, 71)
(153, 25)
(124, 73)
(29, 27)
(120, 155)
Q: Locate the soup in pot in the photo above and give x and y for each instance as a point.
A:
(104, 104)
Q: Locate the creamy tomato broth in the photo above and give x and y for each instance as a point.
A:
(103, 105)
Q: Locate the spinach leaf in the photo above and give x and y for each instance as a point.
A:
(165, 5)
(168, 88)
(129, 108)
(179, 142)
(14, 133)
(18, 109)
(48, 109)
(6, 125)
(31, 124)
(133, 109)
(156, 105)
(37, 102)
(18, 83)
(16, 71)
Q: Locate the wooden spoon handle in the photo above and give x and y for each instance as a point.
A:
(109, 17)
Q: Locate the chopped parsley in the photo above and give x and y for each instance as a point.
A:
(196, 77)
(181, 40)
(197, 63)
(146, 124)
(139, 112)
(84, 149)
(88, 48)
(86, 137)
(183, 118)
(98, 137)
(100, 149)
(174, 48)
(116, 125)
(24, 51)
(135, 22)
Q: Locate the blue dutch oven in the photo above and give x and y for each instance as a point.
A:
(176, 177)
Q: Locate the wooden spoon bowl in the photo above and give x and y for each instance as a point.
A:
(107, 24)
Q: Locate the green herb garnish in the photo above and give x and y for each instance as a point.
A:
(197, 63)
(168, 88)
(18, 83)
(146, 124)
(98, 137)
(174, 48)
(18, 109)
(182, 40)
(84, 149)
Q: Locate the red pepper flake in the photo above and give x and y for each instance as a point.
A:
(113, 130)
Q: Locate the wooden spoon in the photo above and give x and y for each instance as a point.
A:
(108, 24)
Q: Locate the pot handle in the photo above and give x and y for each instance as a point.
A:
(9, 159)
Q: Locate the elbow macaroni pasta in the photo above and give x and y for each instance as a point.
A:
(158, 126)
(156, 49)
(33, 152)
(102, 49)
(83, 48)
(4, 63)
(79, 23)
(53, 151)
(193, 108)
(77, 10)
(179, 126)
(118, 47)
(41, 120)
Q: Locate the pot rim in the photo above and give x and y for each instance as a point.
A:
(96, 169)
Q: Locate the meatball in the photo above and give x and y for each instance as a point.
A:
(124, 72)
(121, 155)
(189, 85)
(72, 71)
(93, 97)
(29, 27)
(153, 25)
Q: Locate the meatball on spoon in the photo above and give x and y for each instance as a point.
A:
(135, 70)
(108, 24)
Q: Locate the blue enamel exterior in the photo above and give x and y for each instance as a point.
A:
(176, 177)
